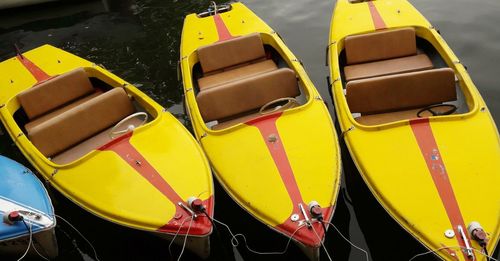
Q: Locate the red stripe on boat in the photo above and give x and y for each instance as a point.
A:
(200, 226)
(222, 30)
(270, 134)
(378, 22)
(38, 73)
(430, 151)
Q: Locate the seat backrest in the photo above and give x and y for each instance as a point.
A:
(380, 45)
(231, 52)
(81, 122)
(401, 91)
(55, 92)
(248, 94)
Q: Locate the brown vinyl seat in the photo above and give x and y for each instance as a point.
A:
(238, 80)
(236, 74)
(69, 117)
(383, 53)
(55, 93)
(77, 124)
(384, 98)
(41, 119)
(231, 60)
(247, 94)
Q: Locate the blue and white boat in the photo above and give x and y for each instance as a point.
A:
(23, 195)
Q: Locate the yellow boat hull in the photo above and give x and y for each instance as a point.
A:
(136, 180)
(269, 178)
(432, 174)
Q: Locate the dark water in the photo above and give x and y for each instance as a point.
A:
(139, 41)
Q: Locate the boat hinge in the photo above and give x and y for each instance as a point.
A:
(318, 98)
(54, 173)
(2, 105)
(189, 89)
(345, 132)
(459, 62)
(328, 51)
(299, 61)
(203, 135)
(164, 110)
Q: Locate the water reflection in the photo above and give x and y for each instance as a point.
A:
(139, 41)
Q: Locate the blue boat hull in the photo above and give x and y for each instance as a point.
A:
(22, 192)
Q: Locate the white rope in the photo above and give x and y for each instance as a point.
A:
(74, 228)
(235, 242)
(176, 234)
(29, 243)
(321, 241)
(185, 239)
(352, 244)
(451, 247)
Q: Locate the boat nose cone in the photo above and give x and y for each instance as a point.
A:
(195, 221)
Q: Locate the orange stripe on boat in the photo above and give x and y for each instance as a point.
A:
(270, 134)
(430, 151)
(378, 22)
(38, 73)
(129, 154)
(222, 30)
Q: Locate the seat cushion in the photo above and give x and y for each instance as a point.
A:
(81, 122)
(231, 52)
(55, 92)
(387, 67)
(30, 125)
(88, 145)
(236, 74)
(376, 119)
(380, 45)
(401, 91)
(247, 94)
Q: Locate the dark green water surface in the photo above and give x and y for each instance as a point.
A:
(139, 41)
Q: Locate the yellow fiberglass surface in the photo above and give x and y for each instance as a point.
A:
(437, 175)
(133, 179)
(268, 177)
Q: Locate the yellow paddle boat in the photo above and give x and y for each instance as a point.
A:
(107, 146)
(263, 125)
(416, 126)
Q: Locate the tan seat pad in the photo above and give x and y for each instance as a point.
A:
(231, 52)
(247, 94)
(89, 145)
(401, 91)
(236, 74)
(242, 119)
(81, 122)
(380, 45)
(376, 119)
(30, 125)
(55, 92)
(387, 67)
